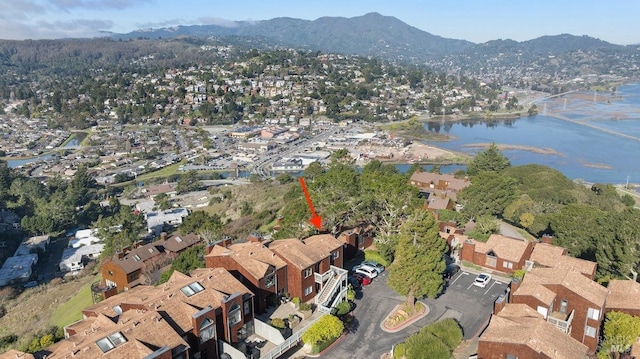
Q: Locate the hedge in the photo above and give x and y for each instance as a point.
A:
(324, 331)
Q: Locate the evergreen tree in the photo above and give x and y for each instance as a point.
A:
(419, 264)
(490, 160)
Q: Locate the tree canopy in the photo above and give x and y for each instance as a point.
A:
(419, 263)
(489, 160)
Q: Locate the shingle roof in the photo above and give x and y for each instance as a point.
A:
(134, 260)
(623, 294)
(144, 332)
(455, 184)
(178, 243)
(325, 243)
(297, 253)
(552, 256)
(511, 249)
(537, 291)
(519, 324)
(252, 256)
(15, 354)
(570, 279)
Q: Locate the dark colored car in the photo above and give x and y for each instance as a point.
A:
(451, 271)
(362, 279)
(354, 282)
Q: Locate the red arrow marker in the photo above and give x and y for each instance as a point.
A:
(315, 219)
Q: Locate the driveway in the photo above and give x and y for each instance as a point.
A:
(470, 305)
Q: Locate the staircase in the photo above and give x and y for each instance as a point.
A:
(325, 298)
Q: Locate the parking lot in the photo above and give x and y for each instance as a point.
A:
(471, 306)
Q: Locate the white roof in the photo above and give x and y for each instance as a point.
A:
(74, 255)
(18, 267)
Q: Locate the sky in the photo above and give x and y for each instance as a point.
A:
(615, 21)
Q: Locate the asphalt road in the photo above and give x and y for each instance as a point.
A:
(470, 305)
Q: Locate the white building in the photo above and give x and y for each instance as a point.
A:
(85, 237)
(171, 217)
(73, 259)
(17, 269)
(31, 245)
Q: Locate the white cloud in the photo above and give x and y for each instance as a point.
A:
(66, 5)
(15, 30)
(217, 21)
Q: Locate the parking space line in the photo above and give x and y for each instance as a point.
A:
(458, 277)
(491, 286)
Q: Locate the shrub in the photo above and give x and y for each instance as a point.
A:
(519, 274)
(351, 293)
(305, 306)
(325, 331)
(448, 331)
(342, 308)
(295, 300)
(437, 340)
(278, 323)
(399, 351)
(375, 256)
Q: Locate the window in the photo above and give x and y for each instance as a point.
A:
(307, 290)
(563, 306)
(247, 307)
(136, 257)
(335, 255)
(111, 341)
(507, 264)
(593, 314)
(511, 356)
(308, 272)
(234, 315)
(590, 331)
(192, 289)
(270, 278)
(117, 309)
(207, 330)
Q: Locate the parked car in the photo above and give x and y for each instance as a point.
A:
(482, 280)
(451, 270)
(354, 282)
(368, 271)
(362, 279)
(379, 267)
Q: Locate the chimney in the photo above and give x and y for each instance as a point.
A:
(513, 287)
(163, 236)
(468, 250)
(499, 304)
(254, 237)
(546, 238)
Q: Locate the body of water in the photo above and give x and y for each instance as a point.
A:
(599, 141)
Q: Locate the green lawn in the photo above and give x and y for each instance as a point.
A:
(71, 311)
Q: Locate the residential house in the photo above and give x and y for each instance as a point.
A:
(356, 239)
(153, 191)
(314, 269)
(439, 184)
(74, 259)
(186, 317)
(567, 299)
(84, 237)
(16, 354)
(158, 221)
(127, 268)
(623, 297)
(500, 253)
(33, 245)
(550, 256)
(518, 331)
(17, 269)
(256, 266)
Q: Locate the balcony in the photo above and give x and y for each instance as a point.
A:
(561, 321)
